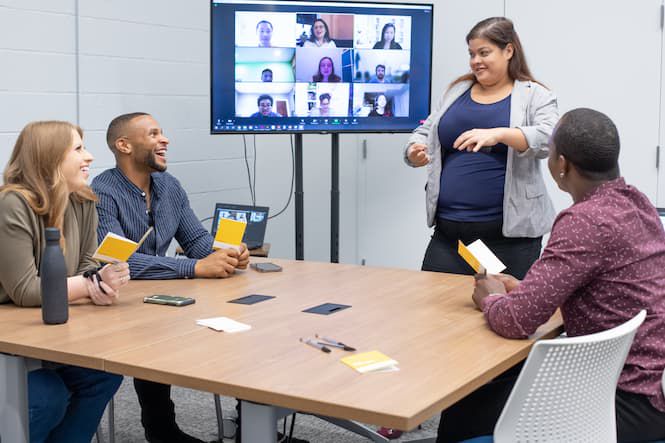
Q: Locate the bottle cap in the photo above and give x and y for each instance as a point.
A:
(52, 234)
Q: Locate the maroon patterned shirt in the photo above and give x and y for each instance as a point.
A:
(604, 262)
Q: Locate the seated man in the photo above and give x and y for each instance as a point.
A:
(266, 75)
(603, 263)
(380, 75)
(135, 195)
(265, 102)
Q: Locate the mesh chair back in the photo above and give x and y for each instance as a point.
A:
(566, 390)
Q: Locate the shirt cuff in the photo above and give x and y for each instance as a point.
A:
(186, 267)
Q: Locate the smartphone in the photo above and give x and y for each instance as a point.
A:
(266, 267)
(171, 300)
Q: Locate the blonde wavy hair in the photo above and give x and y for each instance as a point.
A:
(35, 170)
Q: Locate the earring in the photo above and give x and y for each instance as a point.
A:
(561, 174)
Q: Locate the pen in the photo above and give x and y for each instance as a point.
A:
(335, 343)
(315, 345)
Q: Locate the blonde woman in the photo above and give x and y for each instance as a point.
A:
(45, 185)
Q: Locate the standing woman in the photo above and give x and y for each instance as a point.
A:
(482, 147)
(387, 38)
(46, 186)
(320, 37)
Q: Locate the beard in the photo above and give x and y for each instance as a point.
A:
(151, 162)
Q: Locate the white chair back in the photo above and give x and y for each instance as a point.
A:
(566, 390)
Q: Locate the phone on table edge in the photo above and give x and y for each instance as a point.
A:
(171, 300)
(266, 267)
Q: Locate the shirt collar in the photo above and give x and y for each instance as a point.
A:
(604, 188)
(157, 184)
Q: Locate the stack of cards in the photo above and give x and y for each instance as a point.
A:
(223, 324)
(480, 258)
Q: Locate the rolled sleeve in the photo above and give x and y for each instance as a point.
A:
(543, 114)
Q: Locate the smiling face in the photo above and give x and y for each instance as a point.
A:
(76, 164)
(319, 30)
(488, 62)
(325, 67)
(265, 106)
(148, 143)
(264, 31)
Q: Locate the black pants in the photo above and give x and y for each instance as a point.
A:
(476, 414)
(157, 409)
(518, 254)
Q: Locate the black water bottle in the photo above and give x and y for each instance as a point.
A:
(53, 273)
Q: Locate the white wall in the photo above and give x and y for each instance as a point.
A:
(88, 61)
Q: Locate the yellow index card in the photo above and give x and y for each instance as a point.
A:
(229, 233)
(480, 258)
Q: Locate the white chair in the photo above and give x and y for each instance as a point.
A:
(566, 390)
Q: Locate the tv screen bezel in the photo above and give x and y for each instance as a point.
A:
(328, 130)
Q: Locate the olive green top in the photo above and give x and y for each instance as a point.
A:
(22, 242)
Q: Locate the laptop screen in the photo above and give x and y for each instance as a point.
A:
(255, 216)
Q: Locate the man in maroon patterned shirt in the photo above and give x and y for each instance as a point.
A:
(604, 262)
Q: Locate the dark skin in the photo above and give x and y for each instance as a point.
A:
(142, 151)
(569, 179)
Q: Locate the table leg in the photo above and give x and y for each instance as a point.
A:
(14, 417)
(259, 422)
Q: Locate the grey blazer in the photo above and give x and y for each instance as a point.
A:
(527, 209)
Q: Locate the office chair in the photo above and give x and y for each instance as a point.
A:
(567, 387)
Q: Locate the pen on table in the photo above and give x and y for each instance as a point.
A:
(335, 343)
(315, 345)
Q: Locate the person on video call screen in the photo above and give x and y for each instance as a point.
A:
(320, 37)
(380, 75)
(326, 72)
(387, 38)
(265, 103)
(264, 33)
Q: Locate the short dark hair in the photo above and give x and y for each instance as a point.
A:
(380, 66)
(118, 127)
(264, 21)
(267, 70)
(324, 96)
(590, 141)
(263, 97)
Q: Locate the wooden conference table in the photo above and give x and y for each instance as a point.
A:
(426, 321)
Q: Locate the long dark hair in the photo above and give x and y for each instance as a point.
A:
(332, 78)
(326, 36)
(383, 34)
(500, 31)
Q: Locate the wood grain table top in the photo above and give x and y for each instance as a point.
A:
(426, 321)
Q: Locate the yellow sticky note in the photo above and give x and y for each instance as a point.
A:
(468, 256)
(229, 233)
(370, 361)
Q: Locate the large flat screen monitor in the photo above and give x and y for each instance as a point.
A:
(319, 66)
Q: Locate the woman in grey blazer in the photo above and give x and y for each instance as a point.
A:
(482, 146)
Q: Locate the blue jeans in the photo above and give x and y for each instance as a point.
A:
(66, 403)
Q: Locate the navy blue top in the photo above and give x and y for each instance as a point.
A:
(122, 210)
(472, 182)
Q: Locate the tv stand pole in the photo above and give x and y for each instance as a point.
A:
(300, 207)
(334, 200)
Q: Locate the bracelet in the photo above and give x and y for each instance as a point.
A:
(90, 273)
